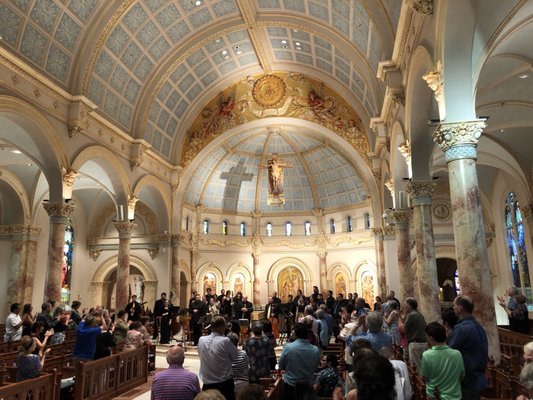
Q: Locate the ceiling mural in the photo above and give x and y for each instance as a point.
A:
(276, 95)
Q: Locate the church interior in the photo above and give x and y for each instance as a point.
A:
(363, 146)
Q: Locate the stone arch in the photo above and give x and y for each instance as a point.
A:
(280, 265)
(239, 268)
(14, 192)
(207, 268)
(28, 129)
(152, 192)
(333, 272)
(100, 281)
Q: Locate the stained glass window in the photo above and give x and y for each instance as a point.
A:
(517, 246)
(288, 229)
(307, 226)
(225, 228)
(349, 223)
(66, 271)
(332, 226)
(206, 227)
(269, 229)
(243, 228)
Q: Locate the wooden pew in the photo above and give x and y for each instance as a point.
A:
(44, 387)
(274, 392)
(512, 343)
(111, 376)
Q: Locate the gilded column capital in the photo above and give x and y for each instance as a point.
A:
(94, 254)
(176, 239)
(421, 192)
(377, 233)
(527, 213)
(388, 231)
(69, 176)
(23, 230)
(458, 140)
(401, 218)
(422, 6)
(125, 229)
(58, 212)
(153, 253)
(390, 186)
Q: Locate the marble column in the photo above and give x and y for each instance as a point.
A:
(321, 243)
(176, 281)
(256, 253)
(58, 213)
(125, 229)
(380, 259)
(195, 254)
(426, 263)
(401, 227)
(458, 140)
(21, 268)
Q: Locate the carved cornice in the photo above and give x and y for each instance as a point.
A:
(125, 228)
(153, 253)
(132, 200)
(390, 186)
(421, 192)
(405, 150)
(388, 231)
(29, 230)
(224, 243)
(422, 6)
(459, 139)
(398, 96)
(94, 254)
(377, 233)
(138, 148)
(435, 81)
(58, 209)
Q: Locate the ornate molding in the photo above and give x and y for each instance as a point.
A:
(377, 233)
(29, 230)
(58, 211)
(153, 253)
(125, 228)
(388, 231)
(390, 186)
(490, 233)
(94, 254)
(321, 242)
(256, 244)
(132, 200)
(401, 218)
(458, 140)
(224, 243)
(442, 211)
(422, 6)
(138, 148)
(435, 81)
(527, 212)
(421, 192)
(398, 96)
(69, 177)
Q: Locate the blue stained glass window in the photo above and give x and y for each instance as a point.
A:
(206, 227)
(66, 268)
(243, 228)
(517, 246)
(349, 223)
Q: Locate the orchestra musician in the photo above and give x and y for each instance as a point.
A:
(133, 308)
(272, 315)
(158, 312)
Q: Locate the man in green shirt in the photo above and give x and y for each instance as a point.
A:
(442, 366)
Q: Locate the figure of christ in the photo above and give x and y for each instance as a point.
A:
(275, 167)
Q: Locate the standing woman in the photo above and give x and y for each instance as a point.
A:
(165, 323)
(29, 364)
(121, 326)
(27, 319)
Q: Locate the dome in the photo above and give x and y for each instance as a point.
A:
(229, 179)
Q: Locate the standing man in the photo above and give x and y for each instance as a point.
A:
(133, 308)
(175, 382)
(414, 327)
(197, 310)
(247, 308)
(442, 366)
(469, 337)
(330, 300)
(216, 354)
(13, 324)
(272, 315)
(299, 359)
(158, 312)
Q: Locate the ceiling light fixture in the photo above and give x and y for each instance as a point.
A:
(502, 130)
(284, 41)
(224, 52)
(239, 52)
(298, 48)
(198, 2)
(16, 151)
(218, 40)
(297, 43)
(237, 47)
(226, 57)
(523, 76)
(285, 46)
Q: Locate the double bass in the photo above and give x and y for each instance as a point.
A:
(175, 325)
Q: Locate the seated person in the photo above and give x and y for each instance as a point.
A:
(134, 338)
(29, 364)
(329, 377)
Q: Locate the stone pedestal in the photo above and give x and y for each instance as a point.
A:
(125, 229)
(458, 140)
(380, 260)
(426, 263)
(401, 227)
(59, 213)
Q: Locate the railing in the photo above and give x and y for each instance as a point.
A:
(512, 343)
(41, 388)
(111, 376)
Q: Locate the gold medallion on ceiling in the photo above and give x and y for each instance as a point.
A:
(268, 90)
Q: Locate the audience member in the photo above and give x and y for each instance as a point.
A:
(414, 328)
(29, 365)
(13, 324)
(121, 326)
(239, 367)
(211, 394)
(377, 338)
(329, 377)
(267, 331)
(442, 366)
(258, 348)
(216, 354)
(134, 337)
(469, 337)
(175, 382)
(518, 315)
(374, 377)
(323, 328)
(104, 344)
(85, 345)
(402, 382)
(27, 319)
(299, 359)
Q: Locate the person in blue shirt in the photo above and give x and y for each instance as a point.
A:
(299, 359)
(85, 345)
(469, 337)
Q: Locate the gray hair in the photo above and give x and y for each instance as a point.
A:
(374, 321)
(526, 376)
(175, 356)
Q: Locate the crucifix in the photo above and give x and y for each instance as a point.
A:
(274, 167)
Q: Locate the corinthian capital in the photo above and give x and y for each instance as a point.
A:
(421, 192)
(401, 218)
(58, 209)
(125, 228)
(422, 6)
(459, 139)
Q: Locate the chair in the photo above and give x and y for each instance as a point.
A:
(186, 332)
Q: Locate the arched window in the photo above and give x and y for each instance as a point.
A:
(66, 272)
(288, 229)
(206, 227)
(332, 226)
(187, 223)
(367, 220)
(517, 246)
(349, 223)
(243, 228)
(225, 228)
(307, 227)
(269, 229)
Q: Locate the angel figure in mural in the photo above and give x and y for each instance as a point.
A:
(368, 289)
(221, 118)
(239, 285)
(290, 281)
(324, 109)
(275, 167)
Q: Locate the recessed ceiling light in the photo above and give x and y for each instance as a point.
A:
(226, 57)
(285, 46)
(197, 2)
(295, 30)
(239, 52)
(224, 52)
(502, 130)
(218, 40)
(16, 151)
(30, 164)
(237, 47)
(298, 48)
(284, 41)
(297, 43)
(523, 76)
